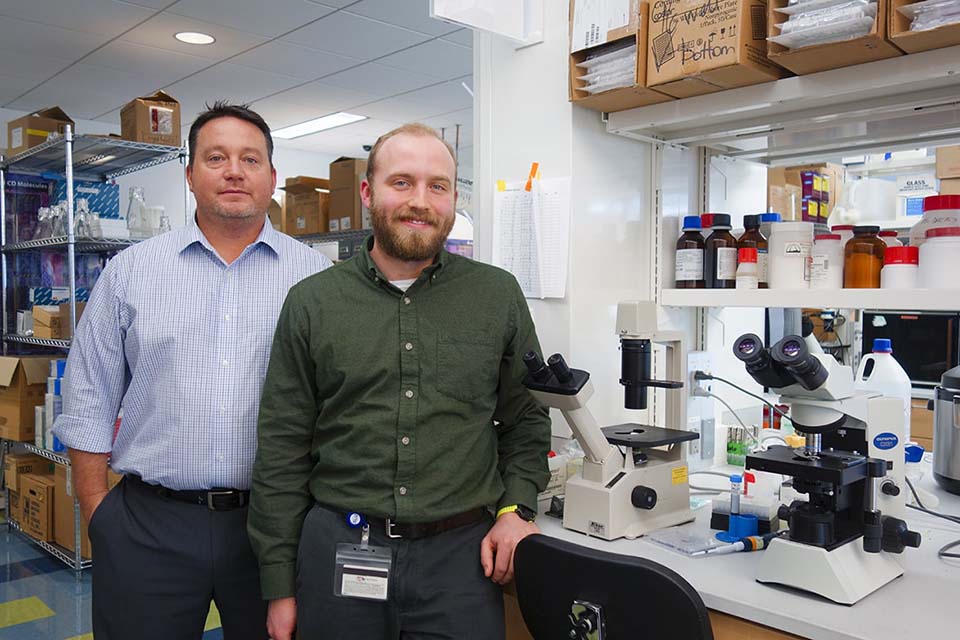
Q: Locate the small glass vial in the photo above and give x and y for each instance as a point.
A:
(748, 272)
(901, 267)
(752, 237)
(720, 255)
(890, 238)
(689, 257)
(863, 258)
(825, 264)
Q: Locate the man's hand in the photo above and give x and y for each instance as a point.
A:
(90, 503)
(282, 618)
(496, 548)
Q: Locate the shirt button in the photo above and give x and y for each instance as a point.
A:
(408, 346)
(403, 491)
(406, 300)
(226, 317)
(433, 277)
(405, 440)
(220, 457)
(408, 393)
(226, 363)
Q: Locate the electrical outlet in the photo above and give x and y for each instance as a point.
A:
(693, 446)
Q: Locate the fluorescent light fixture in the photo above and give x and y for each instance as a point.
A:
(194, 37)
(317, 124)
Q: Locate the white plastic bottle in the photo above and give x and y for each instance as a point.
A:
(888, 378)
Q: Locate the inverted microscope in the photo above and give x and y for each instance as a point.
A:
(634, 477)
(842, 540)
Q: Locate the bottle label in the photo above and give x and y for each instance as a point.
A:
(762, 265)
(816, 268)
(796, 249)
(689, 265)
(726, 263)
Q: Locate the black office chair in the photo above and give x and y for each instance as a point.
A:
(567, 591)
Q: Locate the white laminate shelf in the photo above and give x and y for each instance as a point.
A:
(898, 300)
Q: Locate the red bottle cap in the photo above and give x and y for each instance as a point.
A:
(841, 227)
(943, 232)
(888, 234)
(747, 254)
(828, 236)
(901, 255)
(706, 220)
(939, 203)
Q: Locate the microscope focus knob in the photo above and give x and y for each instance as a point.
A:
(890, 488)
(896, 536)
(643, 497)
(784, 513)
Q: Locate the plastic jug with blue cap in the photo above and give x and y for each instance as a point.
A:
(913, 470)
(886, 377)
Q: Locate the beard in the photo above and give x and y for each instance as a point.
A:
(403, 243)
(232, 213)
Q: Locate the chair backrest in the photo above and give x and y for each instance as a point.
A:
(640, 598)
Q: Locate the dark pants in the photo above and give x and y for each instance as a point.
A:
(157, 564)
(437, 588)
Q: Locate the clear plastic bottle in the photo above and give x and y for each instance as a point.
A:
(720, 255)
(891, 238)
(886, 377)
(689, 257)
(748, 271)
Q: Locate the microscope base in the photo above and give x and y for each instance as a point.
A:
(606, 511)
(844, 575)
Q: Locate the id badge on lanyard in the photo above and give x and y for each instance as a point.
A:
(362, 571)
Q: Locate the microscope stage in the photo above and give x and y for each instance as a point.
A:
(836, 467)
(641, 436)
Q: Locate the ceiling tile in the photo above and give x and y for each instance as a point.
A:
(32, 38)
(153, 4)
(232, 82)
(441, 98)
(396, 110)
(338, 4)
(163, 66)
(83, 104)
(35, 67)
(12, 87)
(378, 80)
(294, 60)
(159, 32)
(354, 36)
(324, 98)
(253, 17)
(279, 114)
(461, 36)
(463, 117)
(104, 17)
(410, 14)
(437, 58)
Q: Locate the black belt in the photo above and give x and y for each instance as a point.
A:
(415, 530)
(213, 499)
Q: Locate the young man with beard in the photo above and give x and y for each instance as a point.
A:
(177, 333)
(393, 420)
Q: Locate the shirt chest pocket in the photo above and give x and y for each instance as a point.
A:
(468, 365)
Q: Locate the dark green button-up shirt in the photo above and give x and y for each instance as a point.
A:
(396, 405)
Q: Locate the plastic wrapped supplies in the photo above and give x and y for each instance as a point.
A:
(813, 22)
(931, 14)
(609, 68)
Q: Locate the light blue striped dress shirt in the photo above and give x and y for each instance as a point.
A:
(180, 340)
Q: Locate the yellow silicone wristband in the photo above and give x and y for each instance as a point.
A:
(507, 509)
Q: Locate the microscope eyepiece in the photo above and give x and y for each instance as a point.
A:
(535, 365)
(792, 353)
(749, 349)
(559, 367)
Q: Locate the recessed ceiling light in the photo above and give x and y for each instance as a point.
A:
(317, 124)
(194, 37)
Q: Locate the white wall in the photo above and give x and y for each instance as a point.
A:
(522, 115)
(164, 185)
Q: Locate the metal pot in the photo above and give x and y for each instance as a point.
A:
(946, 431)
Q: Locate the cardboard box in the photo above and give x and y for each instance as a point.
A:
(785, 193)
(63, 519)
(623, 98)
(23, 385)
(698, 47)
(594, 23)
(34, 128)
(950, 187)
(53, 322)
(154, 119)
(15, 507)
(15, 465)
(346, 208)
(921, 419)
(305, 205)
(36, 494)
(898, 26)
(275, 215)
(834, 55)
(948, 162)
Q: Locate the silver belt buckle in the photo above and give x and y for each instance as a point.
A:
(211, 494)
(390, 525)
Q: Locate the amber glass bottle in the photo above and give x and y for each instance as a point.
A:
(752, 238)
(689, 257)
(863, 258)
(720, 255)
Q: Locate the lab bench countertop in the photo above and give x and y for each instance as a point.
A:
(922, 603)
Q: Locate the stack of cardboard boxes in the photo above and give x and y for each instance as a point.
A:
(305, 206)
(23, 385)
(318, 205)
(948, 170)
(808, 193)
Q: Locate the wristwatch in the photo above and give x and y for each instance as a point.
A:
(526, 513)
